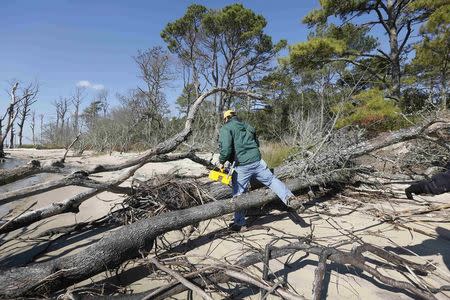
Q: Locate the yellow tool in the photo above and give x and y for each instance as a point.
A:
(221, 176)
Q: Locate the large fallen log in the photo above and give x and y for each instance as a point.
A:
(336, 160)
(81, 179)
(353, 259)
(31, 168)
(324, 160)
(125, 242)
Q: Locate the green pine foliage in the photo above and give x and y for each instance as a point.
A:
(371, 110)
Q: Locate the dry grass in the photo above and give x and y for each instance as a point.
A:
(275, 153)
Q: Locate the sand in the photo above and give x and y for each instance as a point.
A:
(332, 220)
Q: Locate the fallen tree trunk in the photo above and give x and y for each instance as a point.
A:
(162, 148)
(352, 259)
(31, 168)
(125, 243)
(72, 204)
(80, 178)
(337, 160)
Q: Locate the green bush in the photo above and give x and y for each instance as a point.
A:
(371, 110)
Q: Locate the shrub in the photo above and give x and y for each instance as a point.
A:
(369, 109)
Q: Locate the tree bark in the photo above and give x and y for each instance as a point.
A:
(80, 179)
(353, 259)
(33, 167)
(126, 242)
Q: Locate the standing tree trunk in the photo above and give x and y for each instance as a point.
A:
(41, 116)
(11, 137)
(76, 101)
(2, 152)
(21, 124)
(29, 96)
(12, 114)
(444, 87)
(395, 51)
(33, 126)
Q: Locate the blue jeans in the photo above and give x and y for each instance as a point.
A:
(260, 172)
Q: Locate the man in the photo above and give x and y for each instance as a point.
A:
(238, 143)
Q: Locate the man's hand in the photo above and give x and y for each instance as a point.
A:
(221, 167)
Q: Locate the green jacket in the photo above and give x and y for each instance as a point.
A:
(238, 142)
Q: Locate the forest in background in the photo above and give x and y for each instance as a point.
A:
(341, 76)
(348, 121)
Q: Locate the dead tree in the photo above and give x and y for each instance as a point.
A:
(125, 243)
(33, 126)
(41, 128)
(150, 102)
(77, 99)
(29, 98)
(63, 105)
(11, 113)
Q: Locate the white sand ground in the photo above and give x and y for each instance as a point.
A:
(355, 220)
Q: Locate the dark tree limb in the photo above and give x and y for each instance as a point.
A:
(32, 168)
(319, 274)
(126, 242)
(80, 178)
(345, 258)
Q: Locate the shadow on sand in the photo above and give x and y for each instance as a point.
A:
(439, 246)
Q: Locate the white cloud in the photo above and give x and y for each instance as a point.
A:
(89, 85)
(98, 86)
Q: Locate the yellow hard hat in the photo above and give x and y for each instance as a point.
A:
(228, 113)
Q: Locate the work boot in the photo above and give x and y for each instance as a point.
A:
(294, 203)
(408, 193)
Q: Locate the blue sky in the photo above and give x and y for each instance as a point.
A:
(61, 42)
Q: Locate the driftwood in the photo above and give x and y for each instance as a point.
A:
(79, 178)
(125, 243)
(72, 204)
(32, 168)
(338, 160)
(181, 279)
(353, 259)
(35, 167)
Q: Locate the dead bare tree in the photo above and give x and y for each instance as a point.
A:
(41, 127)
(77, 99)
(11, 113)
(155, 70)
(33, 126)
(58, 132)
(29, 98)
